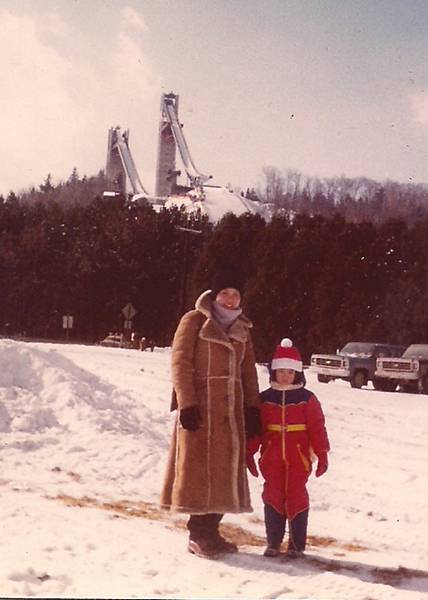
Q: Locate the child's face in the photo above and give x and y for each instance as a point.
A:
(285, 376)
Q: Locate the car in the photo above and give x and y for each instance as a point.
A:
(409, 371)
(356, 363)
(113, 341)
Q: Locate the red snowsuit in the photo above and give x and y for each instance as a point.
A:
(292, 427)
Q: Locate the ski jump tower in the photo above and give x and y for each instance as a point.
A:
(122, 174)
(166, 173)
(121, 171)
(171, 137)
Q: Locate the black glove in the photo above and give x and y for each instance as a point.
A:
(190, 418)
(253, 425)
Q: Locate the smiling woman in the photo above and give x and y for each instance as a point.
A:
(229, 298)
(215, 380)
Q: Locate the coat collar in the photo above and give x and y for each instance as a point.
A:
(283, 388)
(212, 330)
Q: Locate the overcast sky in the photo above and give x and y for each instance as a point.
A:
(327, 87)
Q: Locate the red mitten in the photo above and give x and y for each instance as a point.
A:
(252, 447)
(322, 465)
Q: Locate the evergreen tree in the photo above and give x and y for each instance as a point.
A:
(46, 187)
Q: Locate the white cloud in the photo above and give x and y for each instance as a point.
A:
(53, 23)
(419, 104)
(134, 19)
(34, 101)
(56, 109)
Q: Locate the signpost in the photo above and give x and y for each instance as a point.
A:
(129, 313)
(67, 323)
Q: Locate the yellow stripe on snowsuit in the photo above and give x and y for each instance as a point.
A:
(287, 428)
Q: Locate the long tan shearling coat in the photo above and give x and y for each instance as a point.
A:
(206, 470)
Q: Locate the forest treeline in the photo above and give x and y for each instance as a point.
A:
(321, 279)
(356, 199)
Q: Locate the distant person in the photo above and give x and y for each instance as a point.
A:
(136, 340)
(215, 383)
(292, 426)
(143, 344)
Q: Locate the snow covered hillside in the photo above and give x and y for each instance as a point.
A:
(84, 437)
(218, 202)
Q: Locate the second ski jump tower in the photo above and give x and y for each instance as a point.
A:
(120, 166)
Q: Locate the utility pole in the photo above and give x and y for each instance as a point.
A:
(185, 230)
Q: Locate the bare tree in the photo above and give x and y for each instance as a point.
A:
(274, 185)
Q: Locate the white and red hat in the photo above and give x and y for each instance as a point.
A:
(287, 357)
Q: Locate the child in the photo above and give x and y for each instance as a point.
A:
(292, 427)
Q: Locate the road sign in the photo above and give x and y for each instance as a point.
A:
(67, 322)
(129, 311)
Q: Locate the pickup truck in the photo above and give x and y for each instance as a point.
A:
(409, 371)
(356, 363)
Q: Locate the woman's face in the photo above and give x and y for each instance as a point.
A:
(229, 298)
(285, 376)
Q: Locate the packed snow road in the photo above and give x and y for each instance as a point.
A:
(84, 436)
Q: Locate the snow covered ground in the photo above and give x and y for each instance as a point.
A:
(218, 202)
(84, 438)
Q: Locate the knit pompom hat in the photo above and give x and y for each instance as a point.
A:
(287, 357)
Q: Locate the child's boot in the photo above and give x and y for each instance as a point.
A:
(275, 529)
(271, 551)
(298, 533)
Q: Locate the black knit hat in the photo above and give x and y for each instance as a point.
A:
(226, 277)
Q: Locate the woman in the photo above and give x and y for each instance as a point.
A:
(215, 381)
